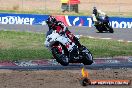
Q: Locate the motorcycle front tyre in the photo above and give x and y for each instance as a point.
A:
(98, 28)
(60, 58)
(88, 58)
(111, 29)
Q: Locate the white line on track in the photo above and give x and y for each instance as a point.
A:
(104, 38)
(129, 41)
(120, 40)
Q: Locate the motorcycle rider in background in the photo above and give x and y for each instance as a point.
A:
(96, 17)
(62, 29)
(96, 13)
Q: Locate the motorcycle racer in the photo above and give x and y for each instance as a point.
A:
(100, 18)
(96, 14)
(56, 43)
(62, 29)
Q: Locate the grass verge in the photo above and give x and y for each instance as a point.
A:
(16, 45)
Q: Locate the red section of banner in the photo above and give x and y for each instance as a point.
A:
(62, 18)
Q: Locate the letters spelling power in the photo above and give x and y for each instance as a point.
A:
(16, 20)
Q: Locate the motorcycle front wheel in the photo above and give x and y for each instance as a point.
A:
(87, 57)
(98, 28)
(111, 29)
(60, 58)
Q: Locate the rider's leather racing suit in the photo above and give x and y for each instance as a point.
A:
(61, 28)
(95, 15)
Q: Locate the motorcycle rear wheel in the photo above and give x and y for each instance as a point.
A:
(60, 58)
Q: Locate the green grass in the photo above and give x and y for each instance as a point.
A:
(22, 45)
(16, 45)
(106, 48)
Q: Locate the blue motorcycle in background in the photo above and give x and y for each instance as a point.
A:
(103, 25)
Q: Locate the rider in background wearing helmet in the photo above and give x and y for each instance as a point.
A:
(96, 14)
(62, 29)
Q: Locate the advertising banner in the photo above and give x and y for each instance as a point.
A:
(32, 19)
(27, 19)
(115, 22)
(120, 22)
